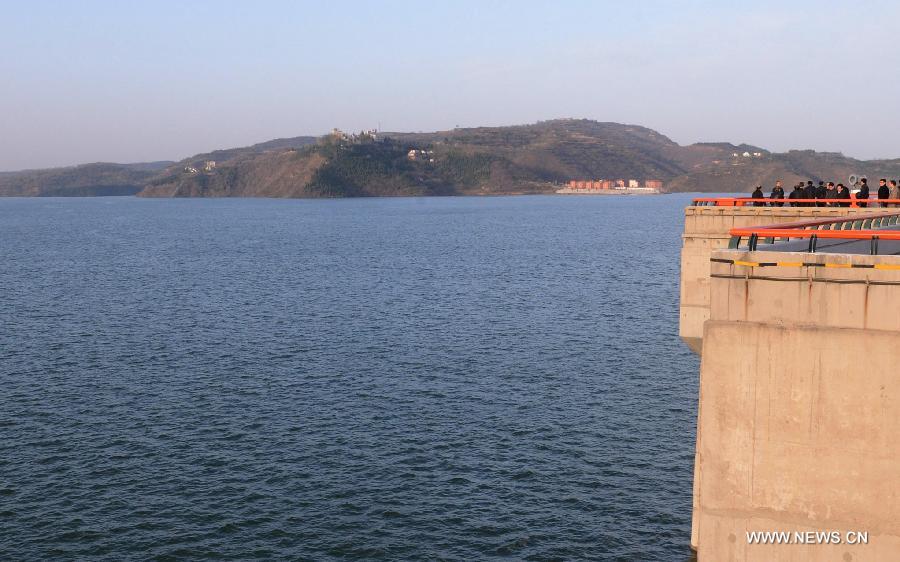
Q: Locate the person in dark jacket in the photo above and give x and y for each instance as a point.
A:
(777, 193)
(821, 192)
(796, 194)
(843, 193)
(802, 195)
(884, 192)
(809, 192)
(863, 192)
(758, 194)
(830, 193)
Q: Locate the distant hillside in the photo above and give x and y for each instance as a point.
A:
(149, 166)
(80, 181)
(124, 179)
(729, 173)
(230, 154)
(486, 160)
(532, 158)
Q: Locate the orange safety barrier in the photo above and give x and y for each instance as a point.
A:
(839, 234)
(813, 230)
(807, 226)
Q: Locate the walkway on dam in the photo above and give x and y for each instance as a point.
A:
(837, 246)
(718, 223)
(877, 233)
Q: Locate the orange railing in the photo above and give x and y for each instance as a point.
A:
(858, 227)
(750, 202)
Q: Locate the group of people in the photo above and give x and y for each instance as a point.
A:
(824, 191)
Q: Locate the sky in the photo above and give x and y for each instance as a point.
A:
(154, 80)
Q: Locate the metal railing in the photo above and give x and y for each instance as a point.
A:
(859, 227)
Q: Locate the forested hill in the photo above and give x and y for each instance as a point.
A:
(85, 180)
(486, 160)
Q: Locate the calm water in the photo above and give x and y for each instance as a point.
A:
(446, 379)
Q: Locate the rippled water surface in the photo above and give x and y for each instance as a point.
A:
(445, 378)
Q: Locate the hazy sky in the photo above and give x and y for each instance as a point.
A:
(137, 81)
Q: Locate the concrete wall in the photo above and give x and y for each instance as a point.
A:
(706, 229)
(799, 418)
(832, 295)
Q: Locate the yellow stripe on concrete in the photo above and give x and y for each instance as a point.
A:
(887, 266)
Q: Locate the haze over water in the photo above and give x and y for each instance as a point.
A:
(442, 378)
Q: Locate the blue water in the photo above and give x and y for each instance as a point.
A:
(366, 379)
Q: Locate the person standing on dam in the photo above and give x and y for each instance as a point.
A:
(895, 192)
(777, 193)
(821, 193)
(809, 192)
(801, 194)
(796, 194)
(758, 194)
(863, 192)
(843, 193)
(884, 192)
(831, 193)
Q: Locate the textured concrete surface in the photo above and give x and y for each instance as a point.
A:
(797, 431)
(705, 230)
(799, 407)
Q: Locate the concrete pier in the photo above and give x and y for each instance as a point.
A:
(706, 229)
(799, 410)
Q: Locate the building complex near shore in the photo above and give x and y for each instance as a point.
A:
(612, 186)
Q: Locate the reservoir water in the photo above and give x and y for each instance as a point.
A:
(360, 379)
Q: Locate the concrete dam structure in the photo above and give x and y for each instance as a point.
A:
(796, 314)
(706, 229)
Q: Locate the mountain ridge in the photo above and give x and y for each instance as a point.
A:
(532, 158)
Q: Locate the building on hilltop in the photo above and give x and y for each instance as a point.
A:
(418, 154)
